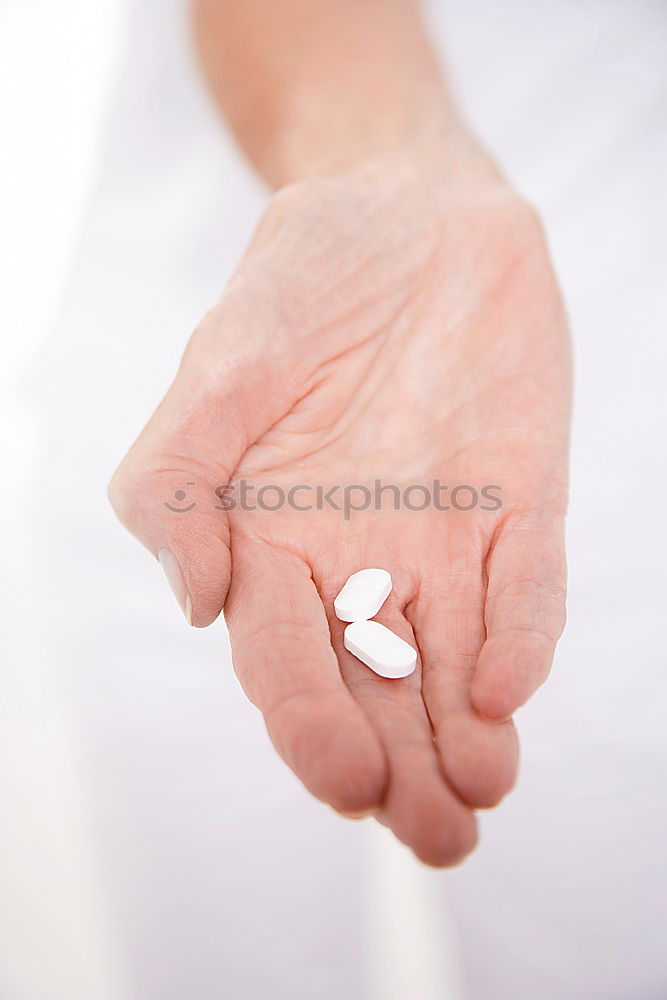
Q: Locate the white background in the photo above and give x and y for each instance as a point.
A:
(57, 61)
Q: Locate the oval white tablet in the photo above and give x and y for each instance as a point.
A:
(363, 595)
(380, 649)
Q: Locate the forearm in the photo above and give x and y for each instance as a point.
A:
(311, 87)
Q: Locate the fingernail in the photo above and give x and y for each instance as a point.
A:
(176, 580)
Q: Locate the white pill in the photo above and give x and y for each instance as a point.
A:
(380, 649)
(363, 595)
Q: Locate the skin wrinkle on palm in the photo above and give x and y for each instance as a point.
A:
(397, 323)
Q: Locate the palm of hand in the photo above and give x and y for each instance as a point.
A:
(396, 336)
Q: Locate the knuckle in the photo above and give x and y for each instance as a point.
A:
(119, 491)
(130, 492)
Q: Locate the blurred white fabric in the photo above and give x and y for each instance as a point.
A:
(204, 869)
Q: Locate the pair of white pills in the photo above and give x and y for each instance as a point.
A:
(374, 644)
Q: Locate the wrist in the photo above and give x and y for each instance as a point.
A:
(339, 123)
(449, 163)
(328, 87)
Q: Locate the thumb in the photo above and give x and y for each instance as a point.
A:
(173, 515)
(164, 489)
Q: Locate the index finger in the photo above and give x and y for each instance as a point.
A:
(282, 654)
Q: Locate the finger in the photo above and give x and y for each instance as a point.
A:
(172, 512)
(524, 613)
(419, 807)
(283, 656)
(479, 757)
(164, 490)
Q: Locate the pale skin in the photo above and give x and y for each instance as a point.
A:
(395, 316)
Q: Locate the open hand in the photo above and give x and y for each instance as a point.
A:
(379, 327)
